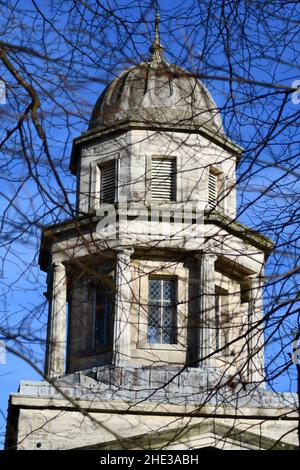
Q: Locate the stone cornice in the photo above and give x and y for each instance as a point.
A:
(240, 230)
(102, 132)
(77, 225)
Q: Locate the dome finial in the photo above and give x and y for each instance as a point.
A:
(156, 48)
(157, 20)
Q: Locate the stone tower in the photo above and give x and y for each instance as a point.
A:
(155, 290)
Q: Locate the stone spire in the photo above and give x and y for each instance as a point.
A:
(156, 48)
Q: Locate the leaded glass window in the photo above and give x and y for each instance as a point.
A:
(162, 310)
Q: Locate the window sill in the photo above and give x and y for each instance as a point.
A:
(223, 356)
(161, 347)
(94, 352)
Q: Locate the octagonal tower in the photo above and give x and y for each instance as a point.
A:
(156, 210)
(154, 288)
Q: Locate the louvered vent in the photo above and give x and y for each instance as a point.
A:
(163, 181)
(212, 190)
(108, 184)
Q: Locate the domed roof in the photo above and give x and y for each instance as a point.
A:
(157, 93)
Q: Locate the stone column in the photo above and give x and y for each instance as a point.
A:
(57, 321)
(256, 333)
(121, 348)
(206, 336)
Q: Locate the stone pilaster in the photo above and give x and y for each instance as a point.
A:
(57, 321)
(256, 333)
(121, 348)
(206, 336)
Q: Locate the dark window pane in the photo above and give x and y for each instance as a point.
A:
(154, 315)
(155, 289)
(153, 334)
(168, 336)
(169, 290)
(168, 317)
(103, 318)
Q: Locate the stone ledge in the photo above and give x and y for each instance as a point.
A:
(158, 409)
(196, 388)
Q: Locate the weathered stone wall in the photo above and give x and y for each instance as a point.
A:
(250, 419)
